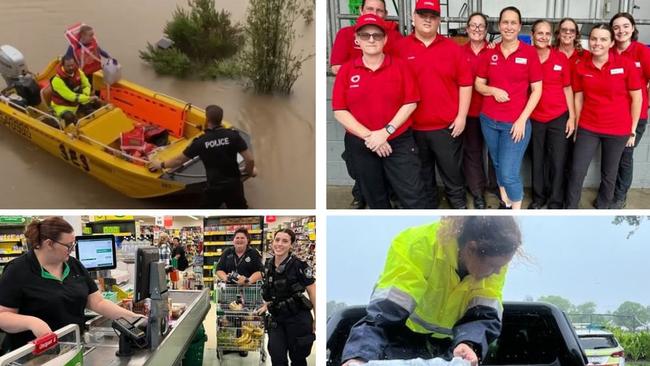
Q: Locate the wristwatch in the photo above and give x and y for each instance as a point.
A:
(390, 129)
(633, 134)
(247, 280)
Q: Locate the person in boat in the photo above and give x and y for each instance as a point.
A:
(71, 91)
(217, 148)
(86, 51)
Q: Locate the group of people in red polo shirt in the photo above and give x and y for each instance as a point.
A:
(421, 105)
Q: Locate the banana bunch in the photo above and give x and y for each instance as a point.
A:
(235, 306)
(250, 337)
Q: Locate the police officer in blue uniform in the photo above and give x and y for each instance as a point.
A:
(240, 264)
(218, 148)
(291, 326)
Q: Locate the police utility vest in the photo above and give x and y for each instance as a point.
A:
(283, 289)
(420, 275)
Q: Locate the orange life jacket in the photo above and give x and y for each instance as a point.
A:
(87, 55)
(72, 82)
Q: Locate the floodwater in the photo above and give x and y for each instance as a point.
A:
(282, 128)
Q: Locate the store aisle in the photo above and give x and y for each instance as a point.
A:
(210, 350)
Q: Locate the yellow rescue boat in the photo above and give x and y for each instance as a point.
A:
(96, 148)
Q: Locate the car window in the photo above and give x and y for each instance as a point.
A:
(597, 342)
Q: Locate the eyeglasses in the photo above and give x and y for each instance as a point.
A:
(568, 30)
(69, 246)
(376, 36)
(479, 27)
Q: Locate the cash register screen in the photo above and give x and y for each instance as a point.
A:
(96, 252)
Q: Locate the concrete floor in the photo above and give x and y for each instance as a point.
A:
(340, 197)
(233, 359)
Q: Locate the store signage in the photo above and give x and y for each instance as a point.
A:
(12, 220)
(112, 218)
(169, 222)
(270, 219)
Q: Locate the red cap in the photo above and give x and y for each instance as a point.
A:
(428, 5)
(369, 19)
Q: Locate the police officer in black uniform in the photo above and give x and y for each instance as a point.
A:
(291, 326)
(217, 148)
(240, 264)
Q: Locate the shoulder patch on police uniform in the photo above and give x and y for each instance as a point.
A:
(308, 272)
(247, 260)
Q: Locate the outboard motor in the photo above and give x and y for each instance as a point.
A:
(14, 71)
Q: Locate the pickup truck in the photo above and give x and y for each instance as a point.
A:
(533, 334)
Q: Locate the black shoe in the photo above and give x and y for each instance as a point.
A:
(536, 205)
(502, 206)
(479, 203)
(595, 204)
(618, 204)
(243, 353)
(358, 204)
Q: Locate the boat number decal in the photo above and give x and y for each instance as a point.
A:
(72, 156)
(17, 126)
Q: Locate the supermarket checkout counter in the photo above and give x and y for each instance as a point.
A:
(158, 341)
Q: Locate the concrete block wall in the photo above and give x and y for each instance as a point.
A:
(337, 174)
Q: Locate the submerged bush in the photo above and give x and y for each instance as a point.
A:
(202, 37)
(268, 59)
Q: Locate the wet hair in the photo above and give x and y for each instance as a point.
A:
(244, 231)
(478, 13)
(51, 228)
(510, 8)
(576, 41)
(628, 16)
(68, 57)
(603, 26)
(363, 3)
(214, 114)
(286, 231)
(540, 21)
(494, 236)
(85, 29)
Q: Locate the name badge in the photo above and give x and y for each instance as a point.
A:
(557, 68)
(638, 64)
(616, 71)
(521, 60)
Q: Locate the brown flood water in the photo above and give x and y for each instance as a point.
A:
(281, 128)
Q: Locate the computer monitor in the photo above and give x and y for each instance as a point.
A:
(96, 252)
(143, 259)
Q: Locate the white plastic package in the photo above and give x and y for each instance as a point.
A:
(456, 361)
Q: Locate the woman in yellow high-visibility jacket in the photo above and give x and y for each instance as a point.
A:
(439, 293)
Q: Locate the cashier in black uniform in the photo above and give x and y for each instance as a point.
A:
(217, 148)
(45, 289)
(240, 264)
(291, 329)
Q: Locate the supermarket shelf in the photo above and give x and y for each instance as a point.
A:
(116, 234)
(253, 231)
(11, 240)
(215, 243)
(208, 267)
(11, 253)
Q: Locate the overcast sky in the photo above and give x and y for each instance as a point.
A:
(579, 258)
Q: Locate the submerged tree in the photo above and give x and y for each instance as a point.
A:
(202, 39)
(268, 59)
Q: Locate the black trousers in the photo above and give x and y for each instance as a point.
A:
(583, 152)
(474, 156)
(549, 149)
(626, 167)
(293, 335)
(229, 193)
(439, 148)
(356, 189)
(401, 169)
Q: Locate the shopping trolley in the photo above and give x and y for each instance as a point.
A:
(62, 347)
(239, 328)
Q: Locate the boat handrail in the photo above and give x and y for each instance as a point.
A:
(113, 150)
(156, 95)
(83, 120)
(30, 108)
(12, 104)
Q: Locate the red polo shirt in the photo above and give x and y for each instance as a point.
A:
(514, 75)
(575, 57)
(557, 76)
(344, 49)
(472, 58)
(440, 69)
(640, 55)
(374, 97)
(606, 98)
